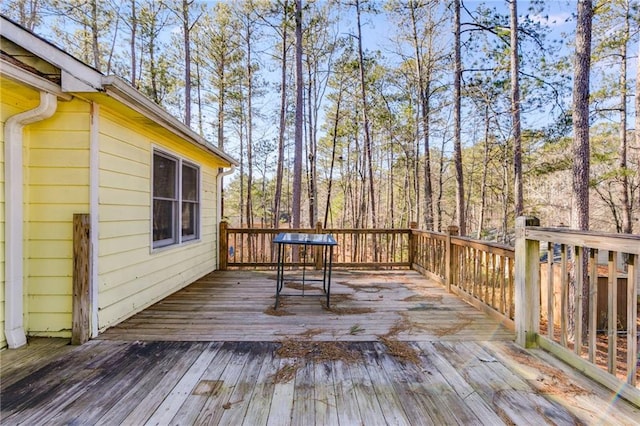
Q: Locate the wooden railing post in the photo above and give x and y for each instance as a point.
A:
(223, 246)
(452, 230)
(412, 243)
(527, 281)
(81, 310)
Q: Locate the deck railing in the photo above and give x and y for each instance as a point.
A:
(506, 283)
(480, 272)
(559, 310)
(357, 248)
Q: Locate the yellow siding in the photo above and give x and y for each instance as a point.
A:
(13, 100)
(131, 275)
(55, 324)
(58, 186)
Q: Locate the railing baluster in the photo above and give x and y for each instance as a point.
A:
(632, 315)
(550, 292)
(564, 295)
(612, 312)
(579, 285)
(503, 288)
(593, 303)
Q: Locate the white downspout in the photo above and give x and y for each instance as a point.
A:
(94, 189)
(14, 215)
(219, 177)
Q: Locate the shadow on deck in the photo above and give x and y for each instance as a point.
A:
(394, 348)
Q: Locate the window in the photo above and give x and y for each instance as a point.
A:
(176, 200)
(190, 202)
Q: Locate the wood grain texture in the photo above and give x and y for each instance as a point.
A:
(468, 369)
(81, 312)
(234, 306)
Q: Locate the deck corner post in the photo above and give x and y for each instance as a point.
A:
(452, 230)
(81, 309)
(223, 245)
(527, 283)
(413, 245)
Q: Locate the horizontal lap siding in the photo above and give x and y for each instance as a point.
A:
(58, 187)
(131, 276)
(14, 99)
(10, 103)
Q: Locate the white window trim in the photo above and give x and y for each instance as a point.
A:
(178, 214)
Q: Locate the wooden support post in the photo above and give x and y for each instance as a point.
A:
(223, 246)
(81, 310)
(412, 243)
(450, 257)
(527, 280)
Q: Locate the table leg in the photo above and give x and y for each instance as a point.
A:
(304, 263)
(279, 273)
(329, 277)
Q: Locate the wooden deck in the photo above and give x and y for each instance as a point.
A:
(395, 348)
(238, 306)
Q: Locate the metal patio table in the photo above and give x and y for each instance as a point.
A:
(325, 241)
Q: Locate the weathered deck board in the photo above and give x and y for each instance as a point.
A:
(176, 390)
(236, 306)
(234, 383)
(469, 371)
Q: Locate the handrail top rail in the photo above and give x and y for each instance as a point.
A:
(324, 230)
(473, 241)
(625, 243)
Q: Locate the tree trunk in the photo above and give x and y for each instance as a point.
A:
(457, 141)
(311, 150)
(222, 91)
(581, 161)
(627, 223)
(199, 97)
(283, 119)
(153, 72)
(423, 93)
(297, 156)
(134, 28)
(581, 152)
(365, 123)
(515, 110)
(485, 168)
(186, 30)
(249, 76)
(334, 138)
(637, 96)
(441, 167)
(95, 46)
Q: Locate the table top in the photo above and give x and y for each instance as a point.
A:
(309, 239)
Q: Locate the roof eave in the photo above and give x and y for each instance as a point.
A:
(119, 89)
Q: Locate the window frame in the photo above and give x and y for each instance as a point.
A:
(177, 238)
(196, 203)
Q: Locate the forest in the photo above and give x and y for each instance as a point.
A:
(379, 113)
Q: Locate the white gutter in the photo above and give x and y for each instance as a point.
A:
(14, 215)
(118, 89)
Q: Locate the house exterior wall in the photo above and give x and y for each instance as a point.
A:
(131, 274)
(14, 98)
(57, 186)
